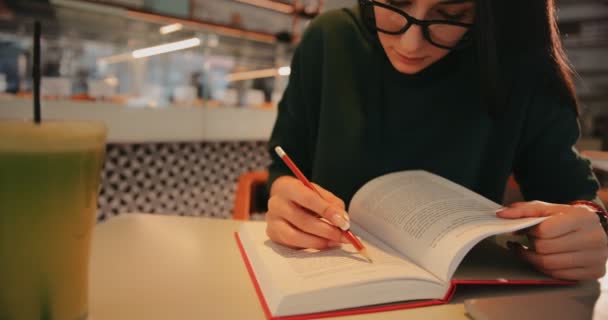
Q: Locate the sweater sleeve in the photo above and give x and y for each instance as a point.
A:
(547, 166)
(295, 127)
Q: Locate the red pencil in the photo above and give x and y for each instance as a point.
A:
(292, 166)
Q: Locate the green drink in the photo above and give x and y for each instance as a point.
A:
(49, 180)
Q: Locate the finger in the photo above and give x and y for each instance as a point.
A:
(305, 221)
(274, 208)
(282, 232)
(587, 238)
(562, 224)
(332, 198)
(529, 209)
(310, 200)
(558, 261)
(282, 209)
(279, 185)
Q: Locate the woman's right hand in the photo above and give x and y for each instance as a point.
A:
(294, 211)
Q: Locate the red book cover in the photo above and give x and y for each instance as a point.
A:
(383, 307)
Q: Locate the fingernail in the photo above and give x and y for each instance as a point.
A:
(340, 222)
(346, 217)
(344, 239)
(332, 244)
(337, 218)
(342, 213)
(499, 210)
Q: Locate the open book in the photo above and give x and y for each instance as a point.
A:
(417, 228)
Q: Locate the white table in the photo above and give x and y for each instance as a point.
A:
(167, 267)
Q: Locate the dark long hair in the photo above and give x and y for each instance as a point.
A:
(511, 32)
(508, 32)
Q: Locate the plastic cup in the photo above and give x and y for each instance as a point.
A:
(49, 181)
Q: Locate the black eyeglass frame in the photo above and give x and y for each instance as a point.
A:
(367, 9)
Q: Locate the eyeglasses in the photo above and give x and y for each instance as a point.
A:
(444, 34)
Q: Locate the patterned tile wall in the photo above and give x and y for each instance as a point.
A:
(197, 178)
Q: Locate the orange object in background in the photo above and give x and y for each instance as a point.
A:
(512, 193)
(267, 105)
(245, 199)
(24, 94)
(82, 97)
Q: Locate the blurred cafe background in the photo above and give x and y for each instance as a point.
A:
(189, 88)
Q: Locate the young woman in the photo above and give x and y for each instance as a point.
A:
(473, 91)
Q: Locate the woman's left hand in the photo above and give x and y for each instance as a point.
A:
(571, 244)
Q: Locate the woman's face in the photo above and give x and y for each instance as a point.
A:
(410, 52)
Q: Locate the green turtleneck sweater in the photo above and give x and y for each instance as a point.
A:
(348, 116)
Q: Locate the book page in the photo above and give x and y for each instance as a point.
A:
(334, 274)
(430, 219)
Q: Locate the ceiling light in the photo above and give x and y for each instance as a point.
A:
(171, 28)
(167, 47)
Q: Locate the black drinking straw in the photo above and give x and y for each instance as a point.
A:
(36, 72)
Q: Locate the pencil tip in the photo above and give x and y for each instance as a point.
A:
(366, 255)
